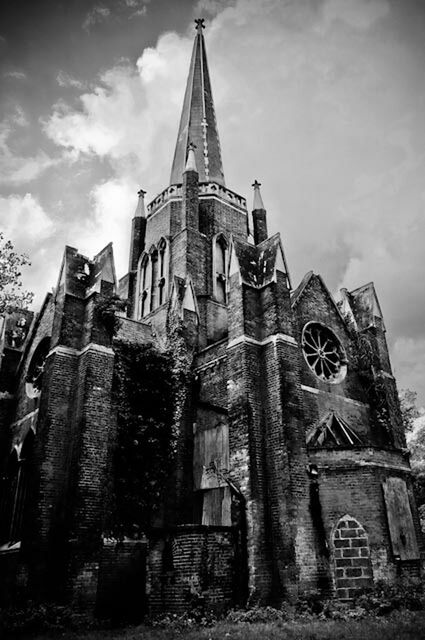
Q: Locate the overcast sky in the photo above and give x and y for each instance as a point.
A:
(322, 101)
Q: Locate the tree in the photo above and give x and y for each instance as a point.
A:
(409, 410)
(11, 291)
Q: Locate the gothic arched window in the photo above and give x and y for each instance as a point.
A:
(154, 280)
(14, 490)
(220, 250)
(144, 286)
(162, 281)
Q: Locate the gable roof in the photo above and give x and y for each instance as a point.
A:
(299, 292)
(257, 264)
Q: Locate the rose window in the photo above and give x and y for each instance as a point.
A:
(324, 353)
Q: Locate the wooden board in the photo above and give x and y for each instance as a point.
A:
(216, 507)
(211, 457)
(400, 520)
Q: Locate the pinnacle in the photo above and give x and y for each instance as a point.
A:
(258, 200)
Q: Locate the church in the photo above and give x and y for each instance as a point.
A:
(288, 472)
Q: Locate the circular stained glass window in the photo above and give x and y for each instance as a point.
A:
(324, 353)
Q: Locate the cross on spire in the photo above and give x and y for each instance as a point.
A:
(258, 201)
(200, 24)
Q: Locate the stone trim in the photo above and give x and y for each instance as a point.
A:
(305, 387)
(210, 363)
(69, 351)
(278, 337)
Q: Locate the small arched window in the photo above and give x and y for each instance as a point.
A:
(144, 286)
(220, 252)
(154, 282)
(162, 281)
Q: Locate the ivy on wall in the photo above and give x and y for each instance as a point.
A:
(365, 360)
(150, 392)
(144, 402)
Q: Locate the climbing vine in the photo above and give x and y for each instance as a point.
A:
(150, 391)
(107, 309)
(363, 359)
(144, 401)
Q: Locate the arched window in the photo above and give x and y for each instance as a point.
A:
(220, 250)
(154, 282)
(353, 568)
(144, 286)
(13, 492)
(153, 276)
(162, 282)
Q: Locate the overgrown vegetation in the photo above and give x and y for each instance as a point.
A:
(107, 309)
(144, 401)
(385, 613)
(11, 291)
(364, 359)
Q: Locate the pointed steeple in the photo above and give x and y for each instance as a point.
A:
(198, 124)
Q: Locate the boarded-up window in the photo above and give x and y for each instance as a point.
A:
(211, 457)
(216, 507)
(400, 520)
(210, 469)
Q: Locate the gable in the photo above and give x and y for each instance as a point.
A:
(312, 300)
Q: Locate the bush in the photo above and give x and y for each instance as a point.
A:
(35, 618)
(257, 614)
(384, 598)
(198, 617)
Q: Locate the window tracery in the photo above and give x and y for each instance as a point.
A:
(153, 279)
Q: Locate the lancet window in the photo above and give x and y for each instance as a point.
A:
(220, 258)
(153, 272)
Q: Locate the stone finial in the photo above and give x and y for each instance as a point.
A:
(140, 209)
(191, 160)
(258, 201)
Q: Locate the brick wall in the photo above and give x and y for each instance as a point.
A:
(192, 565)
(121, 590)
(353, 569)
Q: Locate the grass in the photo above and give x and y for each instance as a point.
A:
(397, 626)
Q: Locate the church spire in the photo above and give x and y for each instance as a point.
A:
(198, 124)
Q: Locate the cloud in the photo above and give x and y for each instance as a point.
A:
(17, 75)
(323, 103)
(358, 14)
(141, 138)
(23, 219)
(65, 79)
(95, 16)
(409, 364)
(14, 168)
(113, 203)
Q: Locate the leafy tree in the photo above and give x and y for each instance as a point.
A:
(11, 291)
(409, 410)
